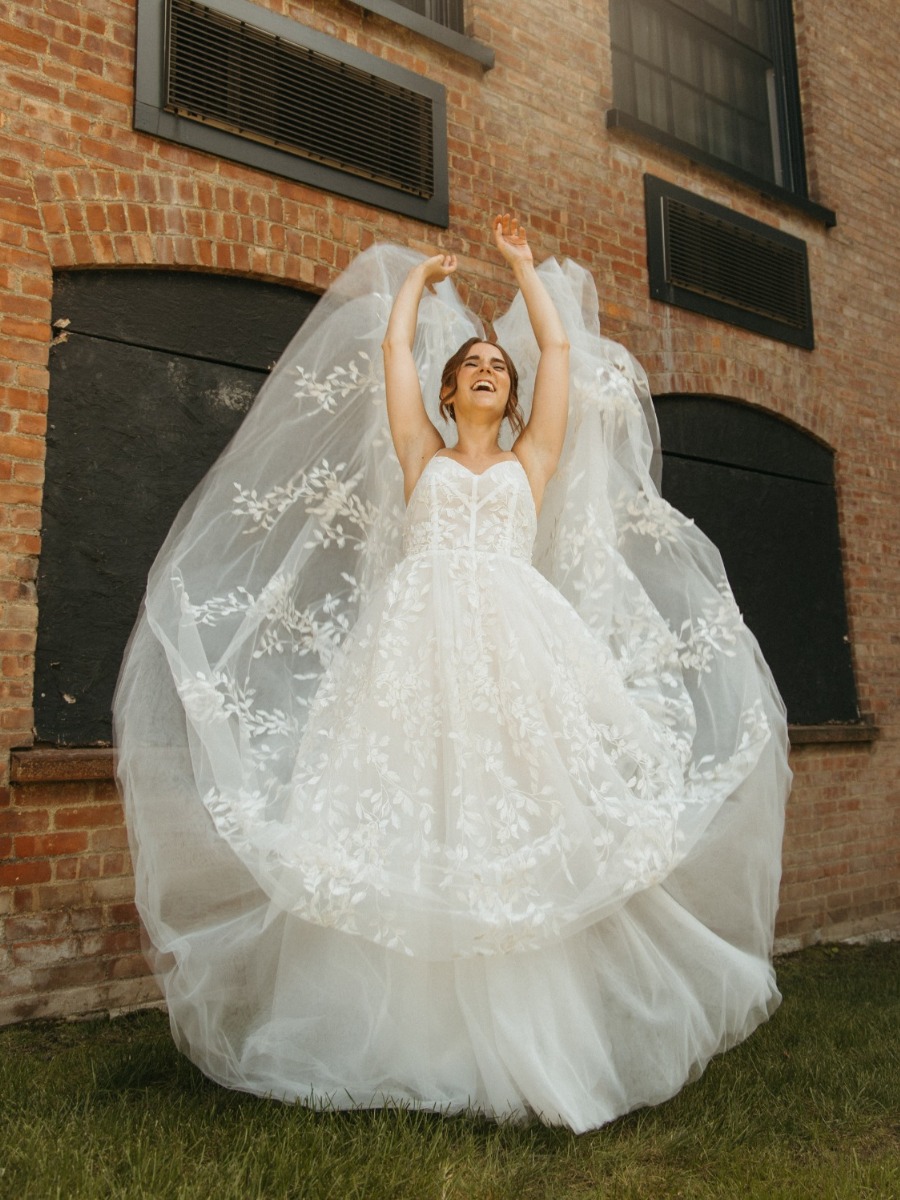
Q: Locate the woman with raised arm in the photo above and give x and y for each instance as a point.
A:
(478, 386)
(453, 777)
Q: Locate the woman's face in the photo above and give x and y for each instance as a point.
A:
(482, 381)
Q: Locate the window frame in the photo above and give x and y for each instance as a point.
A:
(435, 31)
(787, 114)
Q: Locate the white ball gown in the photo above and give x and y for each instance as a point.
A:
(450, 807)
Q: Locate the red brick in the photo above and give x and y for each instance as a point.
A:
(36, 927)
(88, 816)
(129, 966)
(40, 845)
(16, 873)
(123, 914)
(30, 820)
(77, 972)
(83, 919)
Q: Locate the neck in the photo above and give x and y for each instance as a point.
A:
(478, 442)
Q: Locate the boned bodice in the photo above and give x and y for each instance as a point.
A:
(452, 508)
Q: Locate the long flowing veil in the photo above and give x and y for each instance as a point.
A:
(300, 522)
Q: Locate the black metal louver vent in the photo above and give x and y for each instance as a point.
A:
(716, 258)
(707, 258)
(229, 74)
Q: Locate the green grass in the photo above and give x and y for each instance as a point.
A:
(808, 1107)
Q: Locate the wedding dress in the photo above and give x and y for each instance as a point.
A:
(452, 806)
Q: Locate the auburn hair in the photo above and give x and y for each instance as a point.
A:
(511, 413)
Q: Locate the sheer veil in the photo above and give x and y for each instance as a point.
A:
(299, 524)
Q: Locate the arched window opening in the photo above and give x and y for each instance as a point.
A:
(153, 374)
(764, 492)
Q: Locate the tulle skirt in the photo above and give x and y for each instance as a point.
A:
(454, 907)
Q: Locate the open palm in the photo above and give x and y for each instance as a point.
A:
(511, 241)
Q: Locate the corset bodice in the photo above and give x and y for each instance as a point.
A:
(452, 508)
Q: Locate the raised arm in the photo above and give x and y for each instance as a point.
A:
(415, 437)
(541, 443)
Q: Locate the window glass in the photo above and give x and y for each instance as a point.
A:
(708, 73)
(443, 12)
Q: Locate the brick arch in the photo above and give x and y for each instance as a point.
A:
(224, 222)
(790, 414)
(93, 217)
(793, 396)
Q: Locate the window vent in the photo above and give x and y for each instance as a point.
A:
(236, 77)
(704, 257)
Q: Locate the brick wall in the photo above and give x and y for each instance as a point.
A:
(71, 929)
(79, 188)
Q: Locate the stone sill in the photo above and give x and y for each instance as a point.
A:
(621, 121)
(54, 764)
(856, 731)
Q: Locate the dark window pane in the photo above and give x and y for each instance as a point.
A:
(687, 114)
(444, 12)
(718, 71)
(756, 146)
(699, 70)
(620, 26)
(685, 55)
(722, 139)
(648, 32)
(651, 89)
(623, 73)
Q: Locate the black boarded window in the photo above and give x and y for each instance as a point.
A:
(155, 374)
(764, 492)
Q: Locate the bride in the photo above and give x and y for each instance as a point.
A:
(478, 384)
(453, 777)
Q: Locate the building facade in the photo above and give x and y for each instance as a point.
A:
(180, 181)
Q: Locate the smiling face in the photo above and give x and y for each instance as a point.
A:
(481, 380)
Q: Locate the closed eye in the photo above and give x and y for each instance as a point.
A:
(497, 363)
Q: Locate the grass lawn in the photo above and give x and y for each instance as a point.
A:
(808, 1107)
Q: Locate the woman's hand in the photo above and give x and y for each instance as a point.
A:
(510, 239)
(436, 268)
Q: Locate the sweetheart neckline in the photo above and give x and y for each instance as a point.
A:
(474, 474)
(478, 474)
